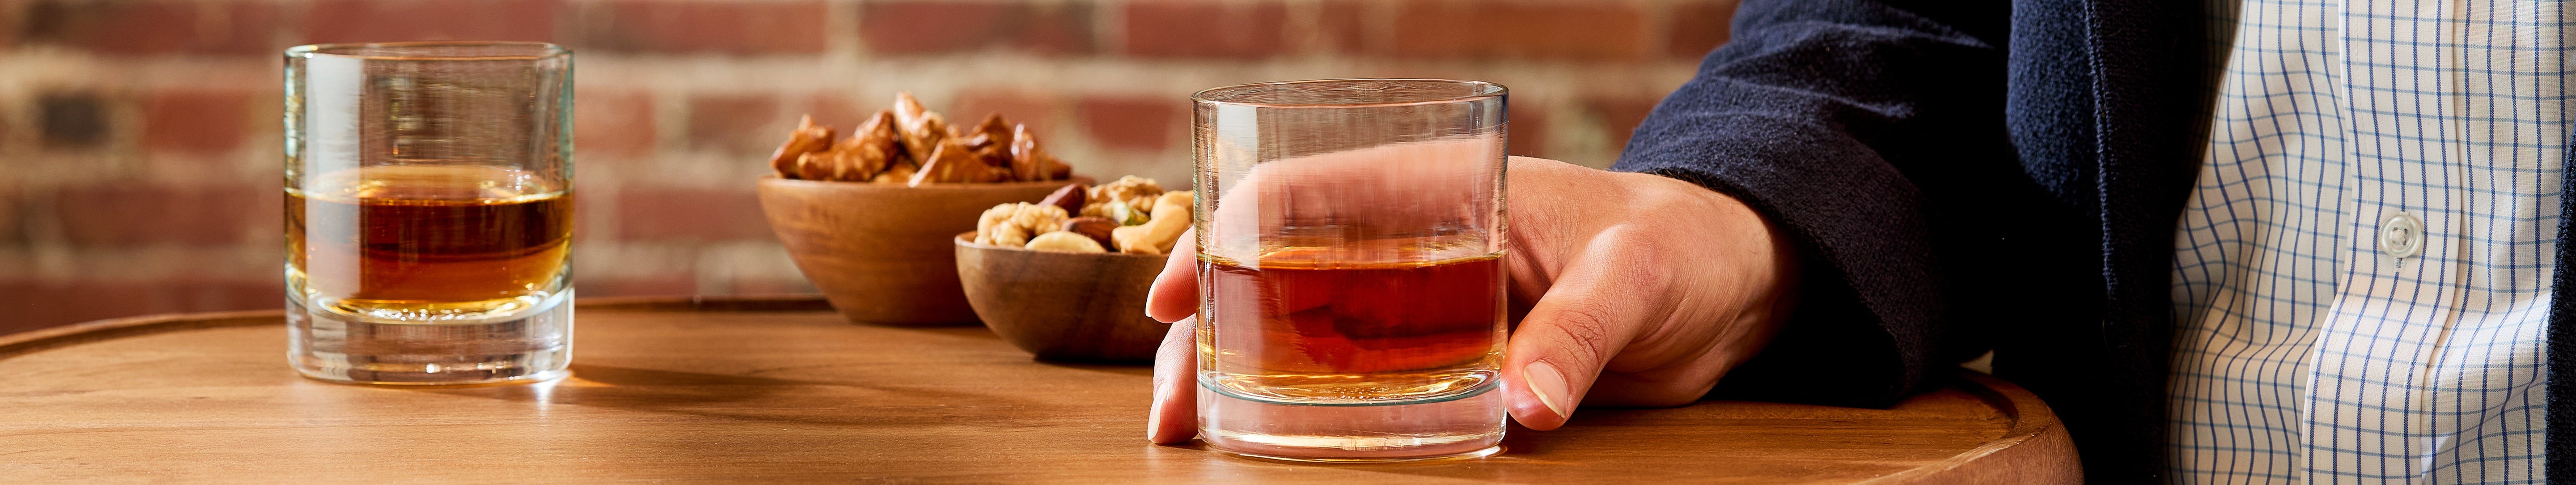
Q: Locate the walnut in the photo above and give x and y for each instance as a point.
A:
(1011, 224)
(1009, 236)
(1037, 218)
(1128, 189)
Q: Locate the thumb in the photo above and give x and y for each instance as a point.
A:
(1583, 320)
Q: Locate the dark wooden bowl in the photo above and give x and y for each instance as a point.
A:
(1063, 306)
(880, 253)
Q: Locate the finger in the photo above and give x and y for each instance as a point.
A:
(1175, 294)
(1174, 416)
(1575, 328)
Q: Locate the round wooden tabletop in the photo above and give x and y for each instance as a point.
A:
(785, 390)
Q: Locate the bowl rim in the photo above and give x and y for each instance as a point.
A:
(967, 240)
(773, 178)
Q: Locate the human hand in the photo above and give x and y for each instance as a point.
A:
(1635, 290)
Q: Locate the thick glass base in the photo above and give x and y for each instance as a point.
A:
(529, 346)
(1464, 427)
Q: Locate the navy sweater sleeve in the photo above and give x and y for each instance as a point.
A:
(1853, 125)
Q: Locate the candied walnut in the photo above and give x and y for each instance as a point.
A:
(1029, 162)
(814, 166)
(868, 150)
(807, 138)
(921, 129)
(899, 174)
(949, 163)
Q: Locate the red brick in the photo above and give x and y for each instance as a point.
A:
(196, 121)
(688, 213)
(156, 27)
(73, 120)
(1343, 26)
(652, 285)
(927, 26)
(12, 217)
(612, 123)
(1561, 30)
(410, 20)
(1205, 29)
(1699, 27)
(1040, 110)
(11, 13)
(1528, 136)
(841, 112)
(742, 124)
(125, 214)
(707, 26)
(1619, 117)
(1137, 123)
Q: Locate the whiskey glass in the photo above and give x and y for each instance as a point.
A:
(429, 212)
(1350, 243)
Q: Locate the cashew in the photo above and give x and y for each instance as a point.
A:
(1065, 241)
(1171, 216)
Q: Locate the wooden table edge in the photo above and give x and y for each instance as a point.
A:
(96, 330)
(2037, 449)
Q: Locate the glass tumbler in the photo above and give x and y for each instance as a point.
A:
(1351, 273)
(429, 211)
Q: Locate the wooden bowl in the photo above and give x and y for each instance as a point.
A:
(1063, 306)
(880, 253)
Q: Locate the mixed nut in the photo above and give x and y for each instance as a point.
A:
(1132, 215)
(906, 144)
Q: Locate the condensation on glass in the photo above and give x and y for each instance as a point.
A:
(1350, 238)
(429, 211)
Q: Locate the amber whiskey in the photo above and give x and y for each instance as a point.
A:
(1299, 327)
(428, 243)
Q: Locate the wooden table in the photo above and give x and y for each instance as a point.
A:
(784, 390)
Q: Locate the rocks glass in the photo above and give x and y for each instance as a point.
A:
(429, 211)
(1350, 242)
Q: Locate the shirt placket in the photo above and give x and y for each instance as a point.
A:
(2367, 386)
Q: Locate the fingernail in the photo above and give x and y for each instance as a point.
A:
(1549, 385)
(1154, 418)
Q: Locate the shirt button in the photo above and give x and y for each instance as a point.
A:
(2402, 235)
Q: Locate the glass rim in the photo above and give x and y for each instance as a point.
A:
(544, 50)
(1489, 90)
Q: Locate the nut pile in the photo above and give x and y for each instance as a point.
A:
(1132, 214)
(906, 144)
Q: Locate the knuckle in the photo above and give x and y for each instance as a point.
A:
(1588, 327)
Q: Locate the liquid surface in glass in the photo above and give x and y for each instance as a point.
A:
(428, 242)
(1301, 327)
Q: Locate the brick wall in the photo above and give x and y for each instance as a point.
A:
(139, 140)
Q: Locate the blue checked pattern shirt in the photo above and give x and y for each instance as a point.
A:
(2361, 279)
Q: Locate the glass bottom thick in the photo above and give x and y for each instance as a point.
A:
(1464, 427)
(528, 346)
